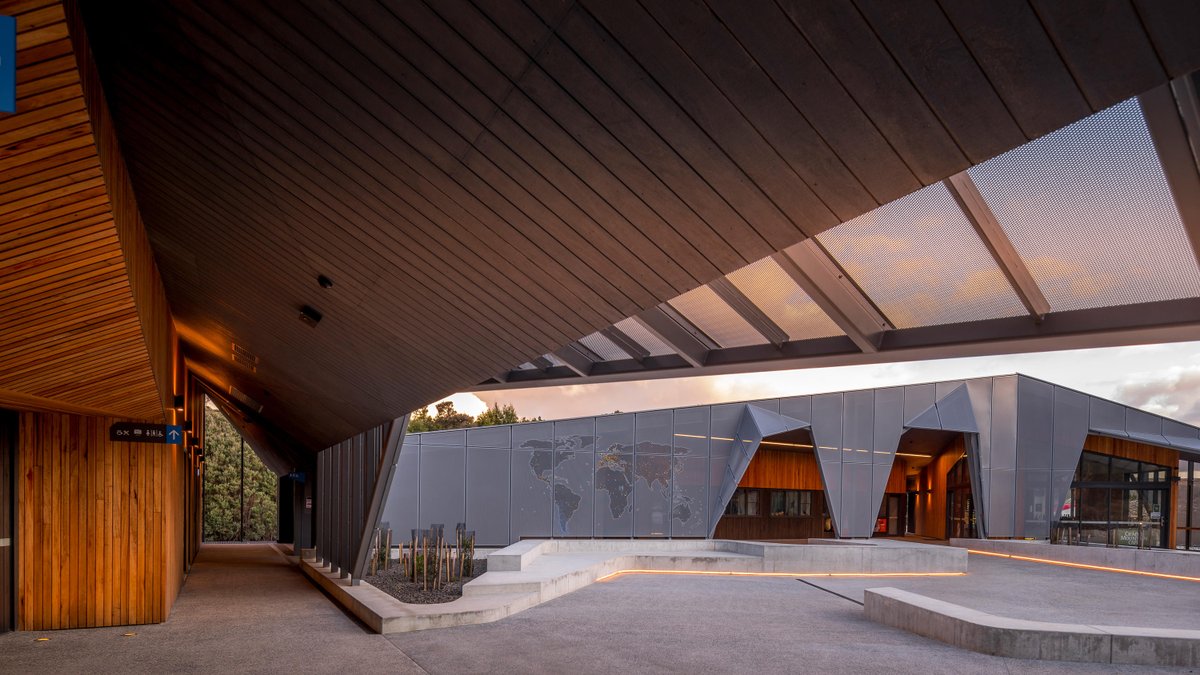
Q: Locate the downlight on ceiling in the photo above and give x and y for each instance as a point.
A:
(310, 316)
(324, 281)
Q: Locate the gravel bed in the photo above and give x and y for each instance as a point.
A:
(396, 584)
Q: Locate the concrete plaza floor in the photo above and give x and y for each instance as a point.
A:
(245, 608)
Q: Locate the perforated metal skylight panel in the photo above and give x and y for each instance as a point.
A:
(606, 349)
(643, 337)
(774, 292)
(922, 263)
(703, 307)
(1090, 211)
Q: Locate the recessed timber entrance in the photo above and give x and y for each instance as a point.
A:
(940, 503)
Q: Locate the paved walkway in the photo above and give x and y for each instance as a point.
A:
(244, 608)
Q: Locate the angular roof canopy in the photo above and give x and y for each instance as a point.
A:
(619, 189)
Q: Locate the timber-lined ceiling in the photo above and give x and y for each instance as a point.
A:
(70, 336)
(487, 181)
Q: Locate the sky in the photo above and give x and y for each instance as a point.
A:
(1163, 379)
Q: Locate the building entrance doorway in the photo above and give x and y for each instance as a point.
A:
(960, 504)
(241, 494)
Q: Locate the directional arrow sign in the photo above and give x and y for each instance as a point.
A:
(134, 432)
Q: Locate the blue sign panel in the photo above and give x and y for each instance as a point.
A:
(134, 432)
(8, 64)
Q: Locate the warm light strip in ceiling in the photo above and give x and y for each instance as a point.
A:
(912, 454)
(783, 574)
(1084, 566)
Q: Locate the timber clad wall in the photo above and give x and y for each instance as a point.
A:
(931, 486)
(101, 531)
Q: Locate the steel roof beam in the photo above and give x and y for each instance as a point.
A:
(1173, 117)
(575, 359)
(677, 332)
(749, 311)
(627, 344)
(977, 211)
(820, 276)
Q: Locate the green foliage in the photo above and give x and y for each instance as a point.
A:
(222, 494)
(449, 418)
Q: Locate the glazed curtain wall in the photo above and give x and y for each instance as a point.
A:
(101, 525)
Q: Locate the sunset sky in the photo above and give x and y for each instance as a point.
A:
(1163, 379)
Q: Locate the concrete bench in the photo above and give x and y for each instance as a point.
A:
(985, 633)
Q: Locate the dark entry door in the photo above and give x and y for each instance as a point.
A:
(8, 454)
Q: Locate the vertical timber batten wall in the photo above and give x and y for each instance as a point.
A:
(346, 478)
(101, 525)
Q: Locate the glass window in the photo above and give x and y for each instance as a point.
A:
(752, 502)
(778, 503)
(791, 503)
(1092, 467)
(737, 504)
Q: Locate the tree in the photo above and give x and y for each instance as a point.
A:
(449, 418)
(223, 495)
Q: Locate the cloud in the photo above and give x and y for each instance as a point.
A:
(1175, 395)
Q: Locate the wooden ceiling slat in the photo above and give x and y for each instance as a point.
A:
(318, 232)
(731, 69)
(1011, 46)
(612, 85)
(52, 198)
(46, 164)
(41, 114)
(20, 7)
(786, 56)
(63, 265)
(50, 50)
(79, 136)
(49, 179)
(1105, 48)
(313, 189)
(1172, 26)
(623, 144)
(852, 51)
(449, 190)
(924, 43)
(86, 212)
(516, 151)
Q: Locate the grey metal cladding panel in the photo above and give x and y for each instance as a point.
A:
(956, 413)
(1106, 417)
(573, 494)
(614, 433)
(1033, 503)
(718, 467)
(443, 484)
(529, 505)
(1001, 509)
(487, 495)
(577, 435)
(1181, 435)
(767, 423)
(613, 515)
(1070, 428)
(652, 495)
(981, 484)
(653, 431)
(858, 426)
(796, 407)
(1035, 424)
(534, 436)
(726, 417)
(889, 424)
(831, 476)
(827, 427)
(402, 508)
(768, 404)
(447, 437)
(943, 389)
(1004, 424)
(980, 393)
(929, 419)
(917, 399)
(1143, 426)
(490, 437)
(691, 431)
(857, 517)
(689, 496)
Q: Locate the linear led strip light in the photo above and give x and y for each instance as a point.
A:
(791, 575)
(1084, 566)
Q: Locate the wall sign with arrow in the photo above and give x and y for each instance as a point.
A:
(134, 432)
